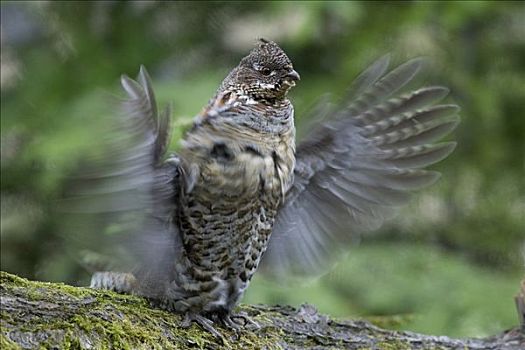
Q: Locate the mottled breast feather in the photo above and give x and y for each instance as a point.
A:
(239, 160)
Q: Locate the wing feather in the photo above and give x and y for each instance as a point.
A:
(358, 165)
(132, 184)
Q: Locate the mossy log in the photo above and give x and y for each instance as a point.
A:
(38, 315)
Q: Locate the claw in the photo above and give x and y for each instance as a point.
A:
(249, 323)
(233, 321)
(202, 321)
(230, 323)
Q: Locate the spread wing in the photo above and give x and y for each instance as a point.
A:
(130, 187)
(358, 165)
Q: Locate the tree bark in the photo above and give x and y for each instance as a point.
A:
(37, 315)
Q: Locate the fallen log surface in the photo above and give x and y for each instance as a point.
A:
(36, 315)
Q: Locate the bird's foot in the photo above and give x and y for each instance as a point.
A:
(238, 321)
(202, 321)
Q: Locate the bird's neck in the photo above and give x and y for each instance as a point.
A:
(238, 110)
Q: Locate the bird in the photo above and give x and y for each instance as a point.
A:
(240, 195)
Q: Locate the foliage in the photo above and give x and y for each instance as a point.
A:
(408, 286)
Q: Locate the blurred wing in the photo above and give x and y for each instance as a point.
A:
(356, 167)
(129, 188)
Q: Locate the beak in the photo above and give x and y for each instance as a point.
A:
(293, 75)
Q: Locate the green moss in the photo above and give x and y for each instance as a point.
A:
(393, 345)
(12, 279)
(7, 344)
(133, 324)
(35, 290)
(71, 342)
(107, 320)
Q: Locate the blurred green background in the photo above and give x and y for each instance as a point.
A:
(449, 264)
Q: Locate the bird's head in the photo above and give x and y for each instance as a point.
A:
(266, 74)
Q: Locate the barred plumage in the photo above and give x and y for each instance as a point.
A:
(239, 187)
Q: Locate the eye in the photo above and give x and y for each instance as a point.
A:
(266, 71)
(262, 69)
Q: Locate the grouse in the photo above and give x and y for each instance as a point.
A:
(240, 195)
